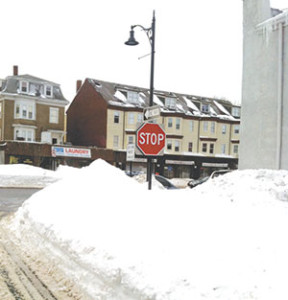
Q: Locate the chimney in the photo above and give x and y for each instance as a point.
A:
(15, 70)
(78, 85)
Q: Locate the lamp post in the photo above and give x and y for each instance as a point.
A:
(150, 32)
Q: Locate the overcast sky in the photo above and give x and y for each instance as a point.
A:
(198, 43)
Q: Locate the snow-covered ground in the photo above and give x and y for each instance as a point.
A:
(225, 239)
(27, 176)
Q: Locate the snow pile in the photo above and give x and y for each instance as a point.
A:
(223, 240)
(260, 184)
(19, 175)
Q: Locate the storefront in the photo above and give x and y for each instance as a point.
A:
(51, 156)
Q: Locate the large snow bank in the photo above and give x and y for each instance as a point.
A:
(21, 175)
(226, 239)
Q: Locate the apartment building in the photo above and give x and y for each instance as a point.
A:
(199, 130)
(31, 109)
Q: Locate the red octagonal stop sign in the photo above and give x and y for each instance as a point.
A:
(150, 138)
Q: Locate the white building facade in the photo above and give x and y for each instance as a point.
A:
(264, 125)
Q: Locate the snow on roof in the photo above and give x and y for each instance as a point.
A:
(36, 88)
(221, 108)
(183, 103)
(190, 104)
(157, 101)
(120, 96)
(272, 24)
(212, 111)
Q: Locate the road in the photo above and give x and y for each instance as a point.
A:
(22, 275)
(12, 198)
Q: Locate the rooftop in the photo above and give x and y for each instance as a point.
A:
(31, 86)
(126, 96)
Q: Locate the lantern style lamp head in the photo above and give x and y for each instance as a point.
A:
(131, 41)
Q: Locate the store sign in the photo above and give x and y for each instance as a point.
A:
(71, 152)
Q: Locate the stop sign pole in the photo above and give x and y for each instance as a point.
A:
(150, 140)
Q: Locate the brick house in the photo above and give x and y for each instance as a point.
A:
(31, 109)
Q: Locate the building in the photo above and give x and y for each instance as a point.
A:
(200, 131)
(33, 125)
(264, 128)
(31, 109)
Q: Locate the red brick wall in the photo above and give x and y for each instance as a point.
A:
(87, 118)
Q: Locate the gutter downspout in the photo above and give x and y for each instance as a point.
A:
(3, 121)
(279, 98)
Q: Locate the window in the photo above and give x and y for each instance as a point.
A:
(17, 111)
(169, 145)
(170, 122)
(224, 129)
(24, 110)
(213, 125)
(177, 146)
(178, 122)
(204, 147)
(24, 87)
(211, 149)
(116, 117)
(24, 134)
(48, 91)
(130, 139)
(223, 148)
(236, 111)
(54, 115)
(132, 97)
(191, 125)
(205, 126)
(190, 147)
(235, 149)
(205, 108)
(130, 118)
(236, 129)
(170, 102)
(115, 141)
(30, 111)
(0, 110)
(140, 118)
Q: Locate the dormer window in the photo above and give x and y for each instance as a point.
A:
(236, 111)
(24, 87)
(205, 108)
(170, 102)
(133, 97)
(48, 91)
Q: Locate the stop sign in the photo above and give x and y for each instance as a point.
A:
(150, 138)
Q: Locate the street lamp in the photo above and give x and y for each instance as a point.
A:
(150, 32)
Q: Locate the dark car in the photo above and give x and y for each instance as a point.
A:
(165, 182)
(193, 183)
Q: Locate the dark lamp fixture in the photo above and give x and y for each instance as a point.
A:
(131, 41)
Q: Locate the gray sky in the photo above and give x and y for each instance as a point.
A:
(198, 43)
